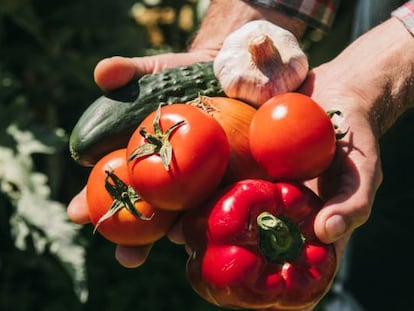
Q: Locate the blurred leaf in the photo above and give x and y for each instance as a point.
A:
(24, 15)
(38, 221)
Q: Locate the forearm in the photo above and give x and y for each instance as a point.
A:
(400, 66)
(379, 68)
(225, 16)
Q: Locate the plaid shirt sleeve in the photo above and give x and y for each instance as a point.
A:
(316, 13)
(405, 14)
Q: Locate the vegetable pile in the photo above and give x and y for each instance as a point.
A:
(231, 170)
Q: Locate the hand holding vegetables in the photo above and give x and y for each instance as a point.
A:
(372, 96)
(353, 83)
(176, 159)
(172, 128)
(144, 248)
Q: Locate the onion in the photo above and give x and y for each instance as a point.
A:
(235, 117)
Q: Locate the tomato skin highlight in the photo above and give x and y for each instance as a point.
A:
(123, 227)
(292, 137)
(200, 153)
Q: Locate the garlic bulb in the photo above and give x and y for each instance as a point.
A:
(260, 60)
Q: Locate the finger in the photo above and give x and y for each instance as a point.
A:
(341, 215)
(77, 210)
(132, 257)
(175, 234)
(157, 63)
(349, 186)
(114, 72)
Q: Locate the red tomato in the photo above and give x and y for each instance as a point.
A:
(292, 137)
(123, 227)
(197, 160)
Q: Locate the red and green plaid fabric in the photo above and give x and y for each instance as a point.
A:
(320, 14)
(316, 13)
(405, 14)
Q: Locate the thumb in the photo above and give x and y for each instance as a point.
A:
(77, 209)
(348, 209)
(114, 72)
(348, 187)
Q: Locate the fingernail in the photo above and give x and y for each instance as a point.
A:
(335, 227)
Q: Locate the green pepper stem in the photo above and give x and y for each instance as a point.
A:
(279, 238)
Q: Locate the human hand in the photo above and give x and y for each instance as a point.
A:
(121, 70)
(371, 84)
(112, 73)
(349, 185)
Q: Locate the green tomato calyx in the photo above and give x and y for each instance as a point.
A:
(157, 143)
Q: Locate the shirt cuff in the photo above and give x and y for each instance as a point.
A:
(316, 13)
(405, 14)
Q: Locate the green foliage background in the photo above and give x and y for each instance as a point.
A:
(48, 50)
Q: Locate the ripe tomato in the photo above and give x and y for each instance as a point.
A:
(122, 227)
(292, 137)
(177, 157)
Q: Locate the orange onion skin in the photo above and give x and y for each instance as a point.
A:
(235, 117)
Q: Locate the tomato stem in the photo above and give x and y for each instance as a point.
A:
(157, 143)
(338, 134)
(124, 197)
(279, 238)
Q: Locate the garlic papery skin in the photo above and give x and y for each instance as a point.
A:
(258, 61)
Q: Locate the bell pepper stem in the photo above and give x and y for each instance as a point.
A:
(279, 238)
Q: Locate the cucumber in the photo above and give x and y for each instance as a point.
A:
(110, 120)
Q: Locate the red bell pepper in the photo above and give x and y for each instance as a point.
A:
(254, 247)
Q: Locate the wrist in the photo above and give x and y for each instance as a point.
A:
(397, 64)
(378, 70)
(225, 16)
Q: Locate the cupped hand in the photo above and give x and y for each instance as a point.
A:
(114, 72)
(349, 186)
(371, 84)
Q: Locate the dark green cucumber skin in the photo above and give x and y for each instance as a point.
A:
(109, 121)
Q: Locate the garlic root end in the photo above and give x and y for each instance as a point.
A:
(263, 51)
